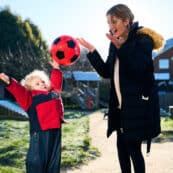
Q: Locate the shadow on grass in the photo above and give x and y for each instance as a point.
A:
(8, 156)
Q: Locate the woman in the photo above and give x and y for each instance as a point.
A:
(134, 105)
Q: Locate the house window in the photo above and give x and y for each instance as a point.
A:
(162, 76)
(163, 64)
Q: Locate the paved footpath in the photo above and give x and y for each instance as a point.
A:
(160, 159)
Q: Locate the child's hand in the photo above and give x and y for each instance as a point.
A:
(4, 78)
(63, 121)
(54, 64)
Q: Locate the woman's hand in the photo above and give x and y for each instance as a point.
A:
(86, 44)
(4, 78)
(54, 64)
(117, 41)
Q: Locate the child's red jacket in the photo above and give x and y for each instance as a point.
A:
(45, 109)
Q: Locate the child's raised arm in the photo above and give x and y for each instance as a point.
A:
(56, 77)
(22, 96)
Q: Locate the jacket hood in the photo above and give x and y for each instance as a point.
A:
(158, 40)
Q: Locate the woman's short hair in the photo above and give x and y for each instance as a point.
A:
(121, 11)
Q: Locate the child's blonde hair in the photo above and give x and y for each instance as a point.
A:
(26, 82)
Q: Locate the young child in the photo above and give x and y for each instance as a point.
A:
(41, 99)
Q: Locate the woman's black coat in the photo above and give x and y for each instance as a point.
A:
(138, 118)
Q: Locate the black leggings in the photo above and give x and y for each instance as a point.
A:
(127, 151)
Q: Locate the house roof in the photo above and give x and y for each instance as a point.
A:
(85, 76)
(168, 45)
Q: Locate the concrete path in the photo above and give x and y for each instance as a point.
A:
(160, 159)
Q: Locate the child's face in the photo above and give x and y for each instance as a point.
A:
(38, 84)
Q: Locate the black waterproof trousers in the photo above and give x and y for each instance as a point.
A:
(44, 154)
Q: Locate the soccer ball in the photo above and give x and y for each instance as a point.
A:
(65, 50)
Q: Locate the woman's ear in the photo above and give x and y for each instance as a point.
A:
(126, 22)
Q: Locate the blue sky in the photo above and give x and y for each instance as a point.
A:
(86, 18)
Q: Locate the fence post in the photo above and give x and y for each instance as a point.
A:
(89, 105)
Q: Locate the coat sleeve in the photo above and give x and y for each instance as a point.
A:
(56, 79)
(61, 110)
(20, 93)
(103, 68)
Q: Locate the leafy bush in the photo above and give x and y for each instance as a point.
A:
(167, 123)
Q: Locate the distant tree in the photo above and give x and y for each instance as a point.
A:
(22, 47)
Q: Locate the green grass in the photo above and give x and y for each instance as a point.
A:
(166, 124)
(167, 130)
(13, 146)
(76, 144)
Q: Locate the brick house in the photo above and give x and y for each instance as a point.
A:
(163, 65)
(163, 69)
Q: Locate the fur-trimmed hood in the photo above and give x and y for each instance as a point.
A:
(158, 40)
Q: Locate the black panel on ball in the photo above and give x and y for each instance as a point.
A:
(73, 58)
(56, 40)
(60, 54)
(71, 44)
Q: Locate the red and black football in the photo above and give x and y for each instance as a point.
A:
(65, 50)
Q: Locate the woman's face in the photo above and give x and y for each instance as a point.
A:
(117, 26)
